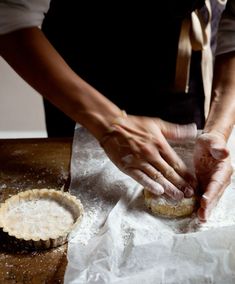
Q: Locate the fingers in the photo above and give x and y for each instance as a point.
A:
(145, 181)
(156, 187)
(178, 132)
(156, 168)
(213, 169)
(208, 205)
(141, 151)
(216, 146)
(173, 177)
(169, 189)
(181, 176)
(132, 164)
(215, 189)
(218, 152)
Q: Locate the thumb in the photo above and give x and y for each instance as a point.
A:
(216, 146)
(219, 152)
(178, 132)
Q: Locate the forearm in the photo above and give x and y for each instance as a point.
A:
(222, 112)
(35, 60)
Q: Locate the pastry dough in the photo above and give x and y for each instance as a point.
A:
(165, 207)
(44, 217)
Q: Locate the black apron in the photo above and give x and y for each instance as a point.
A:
(128, 53)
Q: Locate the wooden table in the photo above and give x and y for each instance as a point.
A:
(27, 164)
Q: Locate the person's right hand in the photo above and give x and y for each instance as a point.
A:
(213, 170)
(138, 147)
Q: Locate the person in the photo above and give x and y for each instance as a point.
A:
(117, 63)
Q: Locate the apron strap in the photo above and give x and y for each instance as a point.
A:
(195, 35)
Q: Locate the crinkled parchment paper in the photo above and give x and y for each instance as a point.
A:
(120, 241)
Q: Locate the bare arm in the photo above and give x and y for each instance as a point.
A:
(35, 60)
(212, 160)
(222, 113)
(137, 145)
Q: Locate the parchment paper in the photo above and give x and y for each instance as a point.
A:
(120, 241)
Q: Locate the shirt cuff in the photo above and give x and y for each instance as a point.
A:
(226, 36)
(15, 18)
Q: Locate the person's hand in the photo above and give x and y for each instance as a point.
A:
(213, 170)
(138, 146)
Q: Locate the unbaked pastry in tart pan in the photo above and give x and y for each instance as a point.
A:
(40, 218)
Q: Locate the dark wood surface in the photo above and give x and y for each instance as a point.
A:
(27, 164)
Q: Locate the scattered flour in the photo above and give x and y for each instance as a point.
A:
(86, 229)
(99, 185)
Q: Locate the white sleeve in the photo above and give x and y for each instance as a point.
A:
(17, 14)
(226, 31)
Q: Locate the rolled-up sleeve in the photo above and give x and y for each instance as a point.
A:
(226, 31)
(18, 14)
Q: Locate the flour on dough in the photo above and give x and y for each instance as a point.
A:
(166, 207)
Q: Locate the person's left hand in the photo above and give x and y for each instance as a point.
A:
(213, 170)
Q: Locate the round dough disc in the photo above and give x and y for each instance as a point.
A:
(169, 208)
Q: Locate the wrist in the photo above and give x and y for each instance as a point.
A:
(102, 124)
(90, 108)
(223, 132)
